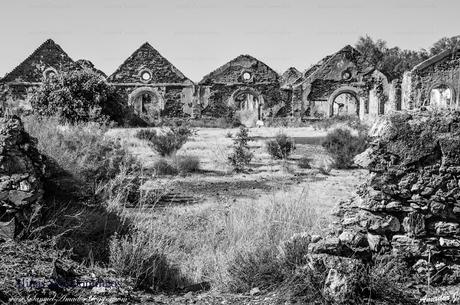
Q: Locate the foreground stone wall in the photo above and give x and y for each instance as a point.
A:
(410, 205)
(21, 172)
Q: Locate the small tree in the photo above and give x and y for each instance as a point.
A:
(241, 155)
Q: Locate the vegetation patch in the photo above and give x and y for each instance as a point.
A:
(343, 146)
(280, 147)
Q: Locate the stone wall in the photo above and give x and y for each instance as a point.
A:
(21, 172)
(410, 205)
(440, 70)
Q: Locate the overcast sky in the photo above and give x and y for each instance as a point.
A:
(198, 36)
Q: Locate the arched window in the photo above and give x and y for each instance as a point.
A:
(441, 96)
(145, 76)
(49, 73)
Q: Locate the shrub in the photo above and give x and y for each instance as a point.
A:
(163, 167)
(241, 156)
(142, 255)
(77, 96)
(82, 150)
(343, 146)
(281, 147)
(187, 164)
(304, 162)
(229, 135)
(260, 268)
(167, 142)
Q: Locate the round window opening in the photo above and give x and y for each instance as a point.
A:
(247, 76)
(145, 76)
(49, 73)
(346, 75)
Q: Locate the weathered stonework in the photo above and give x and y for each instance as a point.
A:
(244, 87)
(433, 83)
(17, 87)
(343, 73)
(150, 85)
(410, 206)
(21, 173)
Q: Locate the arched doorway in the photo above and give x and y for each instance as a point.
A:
(345, 104)
(248, 105)
(146, 102)
(248, 102)
(344, 101)
(442, 96)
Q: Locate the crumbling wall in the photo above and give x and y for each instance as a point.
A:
(440, 70)
(410, 205)
(21, 172)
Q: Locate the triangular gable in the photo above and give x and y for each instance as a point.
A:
(290, 76)
(238, 65)
(47, 55)
(325, 65)
(146, 58)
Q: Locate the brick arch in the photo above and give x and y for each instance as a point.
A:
(346, 89)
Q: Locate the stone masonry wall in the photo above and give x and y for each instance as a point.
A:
(21, 172)
(410, 205)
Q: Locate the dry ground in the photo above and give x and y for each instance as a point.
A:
(216, 182)
(278, 186)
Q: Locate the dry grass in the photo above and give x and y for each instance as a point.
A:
(212, 146)
(201, 242)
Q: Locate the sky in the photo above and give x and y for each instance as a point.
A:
(198, 36)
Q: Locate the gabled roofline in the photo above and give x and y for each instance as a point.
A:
(229, 64)
(434, 59)
(148, 45)
(48, 41)
(328, 58)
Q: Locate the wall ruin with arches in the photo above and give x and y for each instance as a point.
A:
(434, 83)
(245, 88)
(344, 83)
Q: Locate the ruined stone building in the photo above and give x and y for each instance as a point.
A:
(434, 83)
(152, 86)
(47, 60)
(244, 87)
(343, 83)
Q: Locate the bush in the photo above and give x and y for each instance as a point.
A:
(163, 167)
(169, 141)
(241, 156)
(343, 146)
(187, 164)
(77, 96)
(304, 163)
(281, 147)
(82, 150)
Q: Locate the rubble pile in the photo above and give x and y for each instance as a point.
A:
(21, 176)
(410, 205)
